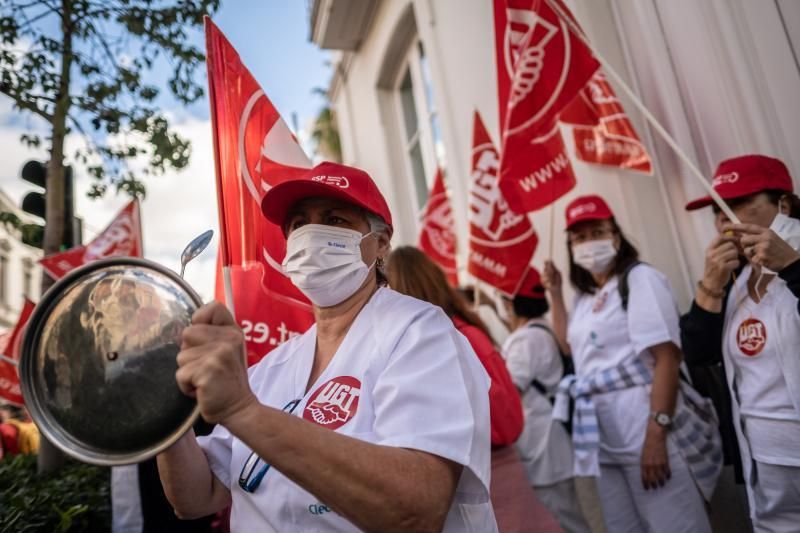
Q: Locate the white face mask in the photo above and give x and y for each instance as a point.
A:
(325, 263)
(594, 256)
(788, 229)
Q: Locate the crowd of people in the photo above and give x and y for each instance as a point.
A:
(427, 436)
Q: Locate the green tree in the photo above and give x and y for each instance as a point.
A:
(80, 66)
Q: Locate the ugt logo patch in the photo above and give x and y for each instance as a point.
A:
(334, 403)
(751, 337)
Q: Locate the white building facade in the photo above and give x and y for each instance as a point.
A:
(722, 76)
(20, 272)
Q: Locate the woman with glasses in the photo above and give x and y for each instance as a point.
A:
(376, 418)
(746, 315)
(636, 425)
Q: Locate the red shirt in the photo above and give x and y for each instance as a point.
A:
(505, 407)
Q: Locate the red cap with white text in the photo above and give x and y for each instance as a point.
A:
(584, 208)
(331, 180)
(531, 286)
(746, 175)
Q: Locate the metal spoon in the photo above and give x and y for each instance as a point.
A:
(194, 248)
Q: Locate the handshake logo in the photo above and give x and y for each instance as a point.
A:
(334, 403)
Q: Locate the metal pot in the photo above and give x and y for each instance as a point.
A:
(98, 361)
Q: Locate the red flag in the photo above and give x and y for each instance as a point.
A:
(501, 242)
(603, 132)
(9, 348)
(541, 67)
(437, 238)
(123, 237)
(254, 150)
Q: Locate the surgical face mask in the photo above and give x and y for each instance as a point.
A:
(788, 229)
(594, 256)
(325, 263)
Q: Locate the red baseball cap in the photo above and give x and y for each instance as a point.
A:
(746, 175)
(331, 180)
(531, 286)
(590, 207)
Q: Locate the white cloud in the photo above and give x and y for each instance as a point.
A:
(178, 206)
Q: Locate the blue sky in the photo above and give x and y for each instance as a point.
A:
(271, 37)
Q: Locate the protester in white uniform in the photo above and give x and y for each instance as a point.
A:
(749, 318)
(534, 361)
(637, 425)
(377, 418)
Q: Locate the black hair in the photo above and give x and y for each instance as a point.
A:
(775, 195)
(627, 255)
(530, 307)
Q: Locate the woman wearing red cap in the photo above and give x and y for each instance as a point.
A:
(376, 418)
(635, 425)
(746, 316)
(411, 272)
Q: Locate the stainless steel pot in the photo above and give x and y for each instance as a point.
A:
(98, 361)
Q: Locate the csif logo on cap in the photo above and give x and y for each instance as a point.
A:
(579, 210)
(337, 181)
(722, 179)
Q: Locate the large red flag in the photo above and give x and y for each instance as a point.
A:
(255, 150)
(123, 237)
(501, 242)
(541, 67)
(603, 132)
(437, 237)
(9, 348)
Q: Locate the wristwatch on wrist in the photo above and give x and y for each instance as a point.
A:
(662, 419)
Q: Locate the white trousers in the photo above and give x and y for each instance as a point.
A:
(776, 498)
(562, 500)
(677, 507)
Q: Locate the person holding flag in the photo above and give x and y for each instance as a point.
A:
(649, 437)
(746, 315)
(376, 418)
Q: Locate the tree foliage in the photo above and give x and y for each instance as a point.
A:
(81, 66)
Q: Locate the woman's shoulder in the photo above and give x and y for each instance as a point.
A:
(645, 273)
(395, 307)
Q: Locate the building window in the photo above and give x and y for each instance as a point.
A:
(3, 279)
(27, 278)
(424, 150)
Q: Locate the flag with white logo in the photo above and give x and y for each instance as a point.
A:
(10, 343)
(255, 150)
(438, 238)
(501, 241)
(122, 238)
(541, 67)
(602, 131)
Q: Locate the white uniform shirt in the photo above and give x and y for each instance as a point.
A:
(403, 376)
(602, 335)
(544, 445)
(752, 345)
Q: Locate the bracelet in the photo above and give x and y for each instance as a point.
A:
(708, 292)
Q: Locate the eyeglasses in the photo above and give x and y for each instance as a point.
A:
(254, 469)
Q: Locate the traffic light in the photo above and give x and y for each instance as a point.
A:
(34, 202)
(35, 172)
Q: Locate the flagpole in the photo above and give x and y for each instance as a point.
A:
(647, 114)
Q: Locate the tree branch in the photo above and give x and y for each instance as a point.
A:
(29, 106)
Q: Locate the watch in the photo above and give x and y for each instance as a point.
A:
(662, 419)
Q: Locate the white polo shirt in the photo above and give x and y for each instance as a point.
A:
(403, 376)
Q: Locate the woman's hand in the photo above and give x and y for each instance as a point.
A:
(655, 464)
(722, 258)
(551, 278)
(763, 247)
(212, 364)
